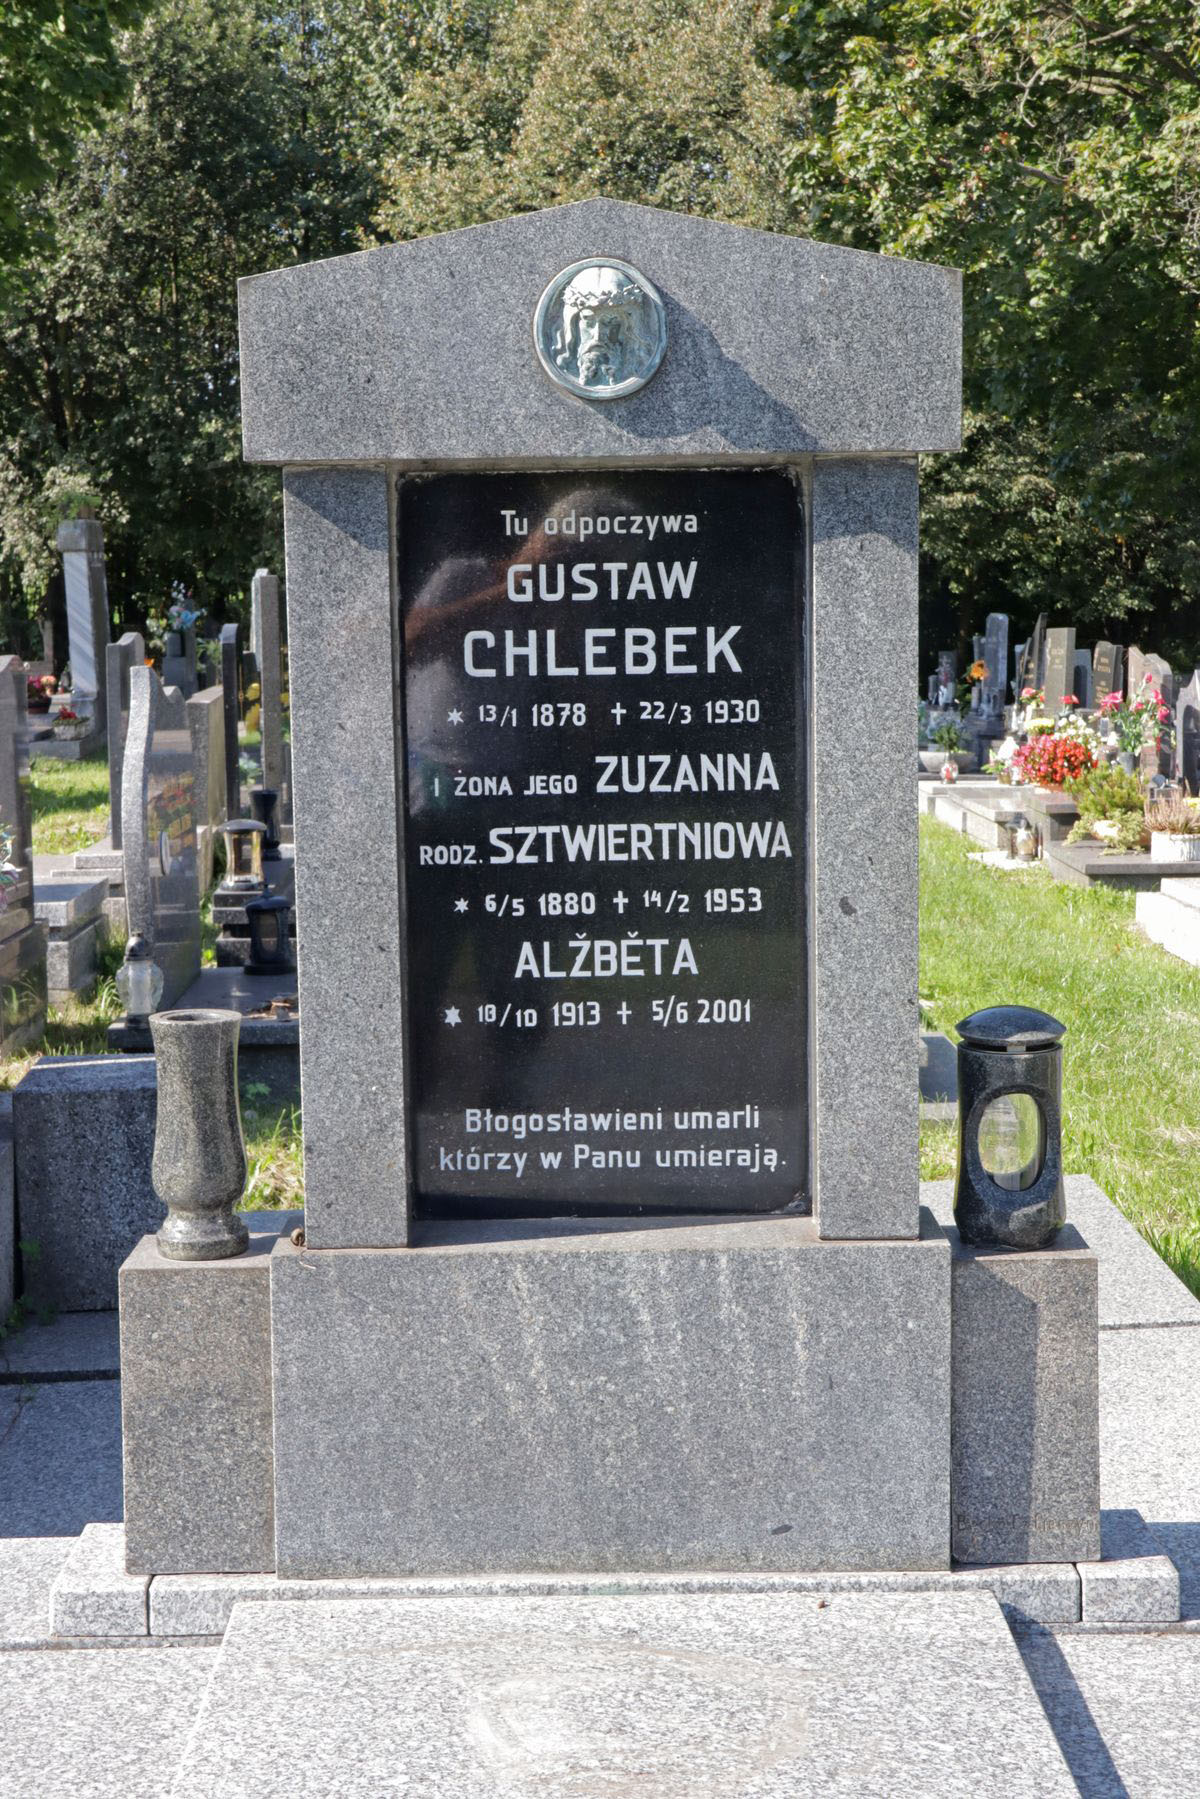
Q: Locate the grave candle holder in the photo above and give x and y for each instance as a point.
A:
(1010, 1185)
(270, 921)
(263, 801)
(139, 980)
(244, 855)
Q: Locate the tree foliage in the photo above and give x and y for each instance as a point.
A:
(1052, 151)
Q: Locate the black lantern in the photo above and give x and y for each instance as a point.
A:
(1010, 1185)
(263, 801)
(243, 856)
(270, 921)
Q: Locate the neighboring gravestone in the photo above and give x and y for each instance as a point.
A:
(1082, 685)
(128, 652)
(81, 541)
(995, 658)
(22, 939)
(268, 650)
(1135, 671)
(158, 823)
(206, 722)
(1187, 734)
(947, 677)
(1108, 670)
(1060, 667)
(231, 687)
(1032, 670)
(179, 661)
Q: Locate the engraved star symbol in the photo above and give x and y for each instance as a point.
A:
(460, 905)
(454, 716)
(452, 1015)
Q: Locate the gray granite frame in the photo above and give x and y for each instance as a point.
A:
(840, 364)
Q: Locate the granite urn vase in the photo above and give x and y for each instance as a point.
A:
(199, 1165)
(1010, 1186)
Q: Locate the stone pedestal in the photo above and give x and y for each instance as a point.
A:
(613, 1395)
(1026, 1411)
(196, 1412)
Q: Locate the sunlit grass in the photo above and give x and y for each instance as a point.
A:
(69, 803)
(1131, 1073)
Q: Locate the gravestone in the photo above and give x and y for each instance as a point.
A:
(607, 912)
(1108, 670)
(1060, 667)
(1032, 669)
(268, 652)
(206, 722)
(1187, 734)
(995, 658)
(22, 939)
(1135, 671)
(947, 677)
(1082, 686)
(158, 825)
(231, 686)
(81, 541)
(179, 661)
(128, 652)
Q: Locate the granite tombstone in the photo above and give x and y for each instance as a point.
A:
(81, 541)
(611, 868)
(22, 939)
(158, 826)
(128, 652)
(1060, 667)
(1108, 670)
(1187, 734)
(231, 687)
(1031, 671)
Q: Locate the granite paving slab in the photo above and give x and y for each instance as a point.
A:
(28, 1566)
(1150, 1440)
(700, 1697)
(72, 1345)
(1124, 1707)
(60, 1457)
(97, 1723)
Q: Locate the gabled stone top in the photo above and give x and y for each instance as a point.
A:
(422, 353)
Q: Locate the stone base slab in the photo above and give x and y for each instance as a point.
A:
(675, 1697)
(94, 1588)
(606, 1394)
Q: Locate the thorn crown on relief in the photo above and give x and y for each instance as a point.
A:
(600, 329)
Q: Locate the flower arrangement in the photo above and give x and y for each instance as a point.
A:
(1174, 813)
(1135, 720)
(949, 735)
(1049, 761)
(38, 689)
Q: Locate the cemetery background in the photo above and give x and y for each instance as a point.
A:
(968, 930)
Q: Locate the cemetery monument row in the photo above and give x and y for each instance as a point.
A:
(613, 1254)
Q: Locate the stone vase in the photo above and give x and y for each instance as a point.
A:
(1174, 846)
(1127, 759)
(199, 1165)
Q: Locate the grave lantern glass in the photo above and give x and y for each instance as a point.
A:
(270, 936)
(139, 980)
(243, 855)
(1010, 1186)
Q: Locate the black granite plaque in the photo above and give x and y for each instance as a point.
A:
(605, 841)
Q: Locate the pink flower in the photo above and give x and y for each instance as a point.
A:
(1163, 714)
(1070, 700)
(1110, 702)
(1027, 693)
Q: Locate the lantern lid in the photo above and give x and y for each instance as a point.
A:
(1012, 1028)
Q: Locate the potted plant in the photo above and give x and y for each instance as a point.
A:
(951, 742)
(1174, 823)
(68, 724)
(1112, 809)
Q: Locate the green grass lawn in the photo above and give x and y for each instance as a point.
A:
(1131, 1072)
(69, 802)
